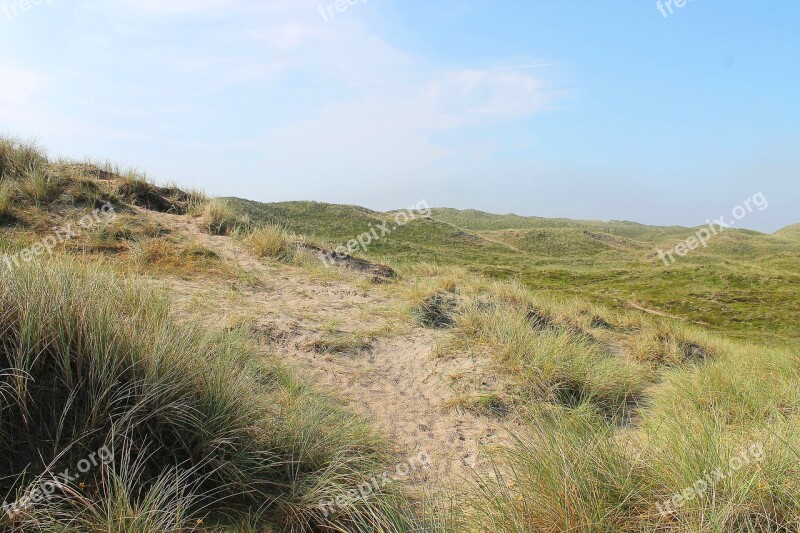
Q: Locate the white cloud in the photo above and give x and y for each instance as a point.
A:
(478, 96)
(332, 105)
(22, 91)
(20, 85)
(387, 141)
(184, 6)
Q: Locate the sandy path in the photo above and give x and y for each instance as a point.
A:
(396, 384)
(404, 391)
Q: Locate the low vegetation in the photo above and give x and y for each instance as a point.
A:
(221, 218)
(200, 430)
(272, 241)
(610, 263)
(624, 413)
(629, 420)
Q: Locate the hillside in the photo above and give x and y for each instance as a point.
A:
(418, 240)
(482, 221)
(211, 365)
(610, 263)
(789, 232)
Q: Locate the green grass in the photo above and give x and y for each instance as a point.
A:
(622, 412)
(199, 428)
(789, 232)
(619, 410)
(742, 285)
(271, 241)
(481, 221)
(221, 218)
(19, 158)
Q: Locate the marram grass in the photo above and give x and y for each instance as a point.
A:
(199, 428)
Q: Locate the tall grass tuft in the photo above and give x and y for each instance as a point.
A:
(18, 158)
(200, 428)
(220, 218)
(574, 472)
(566, 474)
(39, 187)
(196, 202)
(133, 185)
(551, 363)
(7, 195)
(272, 241)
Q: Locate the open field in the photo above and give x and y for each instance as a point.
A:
(462, 372)
(743, 284)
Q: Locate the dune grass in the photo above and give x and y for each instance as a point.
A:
(221, 218)
(567, 474)
(574, 472)
(547, 348)
(199, 429)
(18, 157)
(39, 187)
(272, 241)
(24, 169)
(185, 259)
(622, 413)
(6, 203)
(684, 469)
(198, 199)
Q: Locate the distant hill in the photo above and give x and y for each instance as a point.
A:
(482, 221)
(556, 236)
(789, 232)
(420, 239)
(568, 242)
(744, 282)
(223, 327)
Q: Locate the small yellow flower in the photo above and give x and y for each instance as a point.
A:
(82, 485)
(520, 503)
(199, 521)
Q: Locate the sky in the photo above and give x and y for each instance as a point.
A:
(615, 110)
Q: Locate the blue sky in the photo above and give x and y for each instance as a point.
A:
(557, 108)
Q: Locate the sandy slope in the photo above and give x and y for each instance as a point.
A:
(396, 383)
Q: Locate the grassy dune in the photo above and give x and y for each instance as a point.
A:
(626, 414)
(744, 284)
(199, 433)
(631, 421)
(198, 427)
(789, 232)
